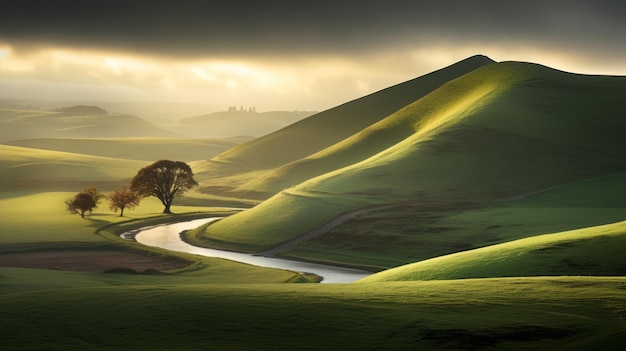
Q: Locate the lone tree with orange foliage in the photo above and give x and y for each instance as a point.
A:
(165, 180)
(123, 198)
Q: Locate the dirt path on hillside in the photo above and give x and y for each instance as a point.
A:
(319, 230)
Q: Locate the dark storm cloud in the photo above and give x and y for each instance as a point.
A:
(200, 28)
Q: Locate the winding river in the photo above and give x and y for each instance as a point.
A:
(168, 237)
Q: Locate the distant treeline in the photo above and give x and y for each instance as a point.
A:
(241, 109)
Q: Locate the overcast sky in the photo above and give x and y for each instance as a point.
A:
(296, 55)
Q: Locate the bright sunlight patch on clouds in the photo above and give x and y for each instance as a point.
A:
(268, 83)
(282, 82)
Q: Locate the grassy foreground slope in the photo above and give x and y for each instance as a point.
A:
(500, 131)
(593, 251)
(329, 127)
(487, 314)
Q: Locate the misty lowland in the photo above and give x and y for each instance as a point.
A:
(481, 206)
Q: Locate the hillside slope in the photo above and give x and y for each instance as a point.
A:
(146, 149)
(500, 131)
(326, 128)
(24, 168)
(595, 251)
(20, 124)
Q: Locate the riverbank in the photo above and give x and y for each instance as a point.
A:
(168, 237)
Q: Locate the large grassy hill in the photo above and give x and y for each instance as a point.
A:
(327, 128)
(20, 124)
(498, 132)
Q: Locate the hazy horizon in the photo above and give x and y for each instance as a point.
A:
(277, 55)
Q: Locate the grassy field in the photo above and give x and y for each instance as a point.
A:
(144, 149)
(512, 314)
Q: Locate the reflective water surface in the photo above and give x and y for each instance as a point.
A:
(168, 237)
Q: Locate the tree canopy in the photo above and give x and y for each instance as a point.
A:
(165, 180)
(123, 198)
(80, 203)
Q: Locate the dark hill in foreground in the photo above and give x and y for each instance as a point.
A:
(502, 131)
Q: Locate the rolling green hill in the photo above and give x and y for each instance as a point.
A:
(20, 124)
(146, 149)
(501, 131)
(25, 168)
(593, 251)
(326, 128)
(411, 232)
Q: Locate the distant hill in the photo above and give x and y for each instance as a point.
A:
(499, 132)
(147, 149)
(75, 122)
(24, 168)
(82, 110)
(238, 122)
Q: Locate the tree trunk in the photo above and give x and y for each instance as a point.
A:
(121, 211)
(167, 209)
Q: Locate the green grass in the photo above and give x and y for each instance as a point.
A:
(38, 223)
(512, 314)
(593, 251)
(26, 168)
(145, 149)
(41, 218)
(410, 233)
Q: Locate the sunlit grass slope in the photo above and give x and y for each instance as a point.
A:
(17, 124)
(405, 234)
(593, 251)
(329, 127)
(500, 131)
(147, 149)
(26, 168)
(486, 314)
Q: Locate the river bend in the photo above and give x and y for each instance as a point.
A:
(168, 237)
